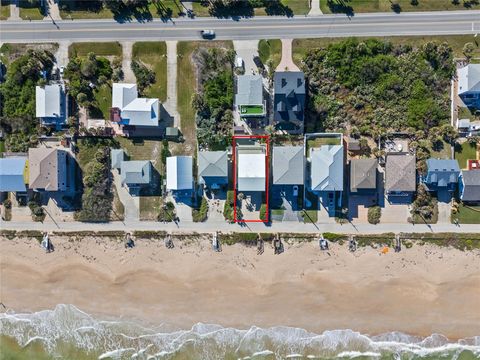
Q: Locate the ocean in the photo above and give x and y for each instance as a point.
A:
(66, 332)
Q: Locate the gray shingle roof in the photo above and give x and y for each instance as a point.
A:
(249, 90)
(288, 165)
(212, 163)
(135, 172)
(400, 173)
(363, 174)
(471, 185)
(117, 157)
(327, 168)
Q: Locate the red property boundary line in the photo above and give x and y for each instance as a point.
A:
(234, 154)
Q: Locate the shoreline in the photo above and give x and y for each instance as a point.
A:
(419, 291)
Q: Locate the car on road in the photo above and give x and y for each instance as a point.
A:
(208, 34)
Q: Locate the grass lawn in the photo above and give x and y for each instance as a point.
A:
(103, 97)
(317, 142)
(385, 5)
(83, 10)
(4, 10)
(310, 216)
(277, 212)
(186, 84)
(270, 49)
(443, 152)
(99, 48)
(251, 109)
(30, 10)
(150, 200)
(465, 152)
(467, 214)
(154, 55)
(302, 46)
(118, 213)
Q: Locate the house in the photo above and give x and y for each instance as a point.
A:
(130, 111)
(469, 85)
(326, 169)
(213, 168)
(47, 169)
(180, 173)
(117, 156)
(468, 128)
(135, 173)
(289, 101)
(251, 168)
(442, 174)
(400, 176)
(469, 186)
(12, 171)
(363, 175)
(50, 104)
(249, 96)
(288, 165)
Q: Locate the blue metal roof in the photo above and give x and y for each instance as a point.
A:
(11, 174)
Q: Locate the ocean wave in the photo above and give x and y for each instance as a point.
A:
(101, 339)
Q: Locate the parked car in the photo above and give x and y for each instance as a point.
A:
(62, 69)
(208, 34)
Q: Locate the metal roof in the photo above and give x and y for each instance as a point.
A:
(179, 173)
(11, 174)
(135, 172)
(251, 172)
(469, 79)
(212, 163)
(134, 110)
(442, 172)
(471, 185)
(249, 90)
(288, 165)
(117, 156)
(48, 101)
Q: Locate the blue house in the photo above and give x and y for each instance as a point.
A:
(12, 174)
(442, 174)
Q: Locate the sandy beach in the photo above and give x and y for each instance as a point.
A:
(419, 291)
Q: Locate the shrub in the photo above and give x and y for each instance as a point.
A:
(200, 214)
(333, 237)
(374, 214)
(144, 75)
(7, 203)
(263, 212)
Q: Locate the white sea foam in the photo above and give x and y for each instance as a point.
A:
(126, 340)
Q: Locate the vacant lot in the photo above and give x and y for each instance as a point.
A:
(98, 48)
(186, 85)
(456, 42)
(30, 9)
(9, 51)
(353, 6)
(103, 97)
(154, 55)
(4, 10)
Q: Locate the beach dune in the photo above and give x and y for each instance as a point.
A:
(419, 291)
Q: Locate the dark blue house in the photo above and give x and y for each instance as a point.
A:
(442, 174)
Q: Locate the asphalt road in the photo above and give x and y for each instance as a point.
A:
(380, 24)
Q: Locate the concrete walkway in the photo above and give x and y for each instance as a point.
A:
(130, 203)
(62, 53)
(247, 50)
(14, 11)
(315, 8)
(128, 75)
(171, 104)
(287, 64)
(52, 10)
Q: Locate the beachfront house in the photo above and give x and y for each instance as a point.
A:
(180, 175)
(251, 168)
(469, 186)
(50, 105)
(12, 174)
(400, 177)
(249, 100)
(289, 101)
(442, 174)
(133, 115)
(213, 169)
(363, 176)
(48, 169)
(288, 165)
(469, 85)
(135, 174)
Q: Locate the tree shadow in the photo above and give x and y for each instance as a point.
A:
(275, 7)
(340, 7)
(234, 10)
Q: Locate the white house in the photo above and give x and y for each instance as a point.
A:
(251, 171)
(133, 110)
(49, 104)
(469, 85)
(180, 173)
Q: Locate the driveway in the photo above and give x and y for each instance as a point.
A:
(130, 203)
(170, 105)
(247, 50)
(287, 64)
(128, 75)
